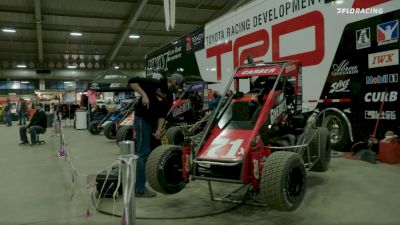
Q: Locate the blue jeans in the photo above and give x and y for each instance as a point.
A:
(7, 115)
(34, 131)
(143, 149)
(22, 117)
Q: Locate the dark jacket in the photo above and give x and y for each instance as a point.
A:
(39, 119)
(155, 90)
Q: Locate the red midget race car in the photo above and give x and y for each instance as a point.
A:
(258, 136)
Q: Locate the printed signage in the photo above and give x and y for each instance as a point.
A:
(363, 38)
(390, 96)
(340, 86)
(343, 68)
(387, 33)
(382, 79)
(384, 115)
(258, 71)
(381, 59)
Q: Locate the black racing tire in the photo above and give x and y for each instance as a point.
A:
(124, 133)
(164, 169)
(175, 136)
(110, 131)
(283, 181)
(94, 127)
(338, 129)
(320, 144)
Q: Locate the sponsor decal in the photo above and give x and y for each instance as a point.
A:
(181, 109)
(115, 85)
(189, 43)
(94, 86)
(343, 68)
(277, 111)
(387, 33)
(340, 86)
(198, 39)
(382, 79)
(114, 76)
(359, 11)
(161, 61)
(259, 71)
(381, 59)
(290, 68)
(363, 38)
(390, 96)
(384, 115)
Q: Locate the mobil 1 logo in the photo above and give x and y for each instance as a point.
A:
(382, 79)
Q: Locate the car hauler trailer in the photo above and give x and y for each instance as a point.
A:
(349, 52)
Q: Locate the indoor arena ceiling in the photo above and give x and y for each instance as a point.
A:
(43, 30)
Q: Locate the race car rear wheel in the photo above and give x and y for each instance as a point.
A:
(124, 133)
(321, 144)
(283, 181)
(110, 131)
(338, 130)
(93, 127)
(164, 169)
(175, 136)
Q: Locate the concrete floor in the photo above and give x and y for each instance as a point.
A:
(35, 188)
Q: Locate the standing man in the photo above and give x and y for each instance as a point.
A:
(21, 110)
(7, 112)
(37, 125)
(150, 113)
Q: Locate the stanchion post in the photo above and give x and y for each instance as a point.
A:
(127, 149)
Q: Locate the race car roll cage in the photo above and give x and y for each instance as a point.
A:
(301, 146)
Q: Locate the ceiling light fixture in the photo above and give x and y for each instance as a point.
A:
(75, 34)
(134, 36)
(116, 67)
(21, 66)
(8, 30)
(71, 67)
(24, 82)
(67, 82)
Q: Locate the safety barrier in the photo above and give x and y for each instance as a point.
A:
(126, 164)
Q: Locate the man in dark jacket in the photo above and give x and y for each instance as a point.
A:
(37, 125)
(150, 114)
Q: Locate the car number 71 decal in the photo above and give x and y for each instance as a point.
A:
(224, 147)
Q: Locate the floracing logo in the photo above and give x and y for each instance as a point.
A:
(363, 38)
(387, 33)
(382, 79)
(343, 68)
(359, 10)
(386, 58)
(340, 86)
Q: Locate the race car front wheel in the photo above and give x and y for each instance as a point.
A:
(320, 145)
(124, 133)
(164, 169)
(283, 181)
(110, 131)
(93, 127)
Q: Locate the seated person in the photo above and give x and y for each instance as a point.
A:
(37, 125)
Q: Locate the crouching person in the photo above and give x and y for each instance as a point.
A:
(37, 125)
